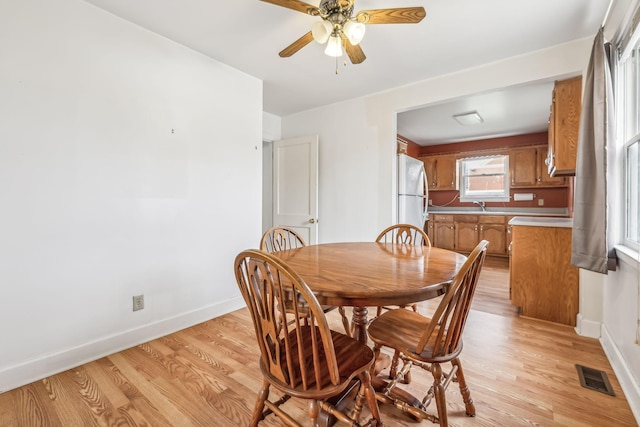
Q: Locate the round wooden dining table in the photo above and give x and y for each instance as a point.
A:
(367, 274)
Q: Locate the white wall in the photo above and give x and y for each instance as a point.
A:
(349, 185)
(620, 326)
(271, 131)
(128, 165)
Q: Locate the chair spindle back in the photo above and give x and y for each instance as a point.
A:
(406, 234)
(447, 324)
(283, 329)
(281, 238)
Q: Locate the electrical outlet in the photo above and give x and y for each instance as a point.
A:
(138, 302)
(540, 202)
(430, 202)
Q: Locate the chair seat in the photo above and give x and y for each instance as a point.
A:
(402, 329)
(353, 357)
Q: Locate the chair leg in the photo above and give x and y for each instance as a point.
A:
(393, 369)
(469, 407)
(370, 394)
(439, 394)
(262, 397)
(314, 410)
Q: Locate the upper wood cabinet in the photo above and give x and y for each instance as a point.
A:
(564, 122)
(441, 171)
(543, 175)
(430, 169)
(522, 165)
(528, 168)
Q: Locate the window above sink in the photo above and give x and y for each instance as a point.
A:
(484, 179)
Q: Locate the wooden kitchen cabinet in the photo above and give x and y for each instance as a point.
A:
(543, 282)
(462, 233)
(528, 168)
(443, 232)
(466, 232)
(543, 178)
(493, 229)
(564, 123)
(430, 169)
(430, 232)
(441, 171)
(522, 165)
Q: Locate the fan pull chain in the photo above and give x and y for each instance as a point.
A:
(344, 63)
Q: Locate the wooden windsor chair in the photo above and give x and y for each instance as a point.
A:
(300, 355)
(431, 342)
(406, 234)
(281, 238)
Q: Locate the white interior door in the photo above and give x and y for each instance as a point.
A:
(295, 185)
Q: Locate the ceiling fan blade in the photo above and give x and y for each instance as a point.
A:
(296, 45)
(398, 15)
(298, 5)
(355, 53)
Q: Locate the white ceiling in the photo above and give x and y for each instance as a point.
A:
(455, 35)
(509, 111)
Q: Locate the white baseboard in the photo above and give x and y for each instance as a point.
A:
(621, 369)
(587, 328)
(51, 364)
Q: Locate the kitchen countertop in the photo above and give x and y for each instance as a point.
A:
(544, 212)
(541, 222)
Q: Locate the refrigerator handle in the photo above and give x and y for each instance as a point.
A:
(425, 214)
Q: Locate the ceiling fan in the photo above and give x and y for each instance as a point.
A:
(341, 27)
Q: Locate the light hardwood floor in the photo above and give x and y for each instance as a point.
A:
(521, 372)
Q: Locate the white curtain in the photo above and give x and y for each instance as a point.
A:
(591, 244)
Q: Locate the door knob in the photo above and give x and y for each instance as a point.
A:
(312, 221)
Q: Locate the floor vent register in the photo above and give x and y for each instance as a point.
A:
(594, 379)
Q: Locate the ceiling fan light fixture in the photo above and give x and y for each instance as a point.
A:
(354, 31)
(321, 31)
(334, 46)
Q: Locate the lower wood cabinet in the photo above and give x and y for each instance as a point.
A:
(443, 232)
(466, 233)
(494, 230)
(543, 282)
(463, 232)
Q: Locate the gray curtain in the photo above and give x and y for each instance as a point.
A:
(591, 243)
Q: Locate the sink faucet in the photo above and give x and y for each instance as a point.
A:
(481, 204)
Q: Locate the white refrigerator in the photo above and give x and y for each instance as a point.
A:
(413, 191)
